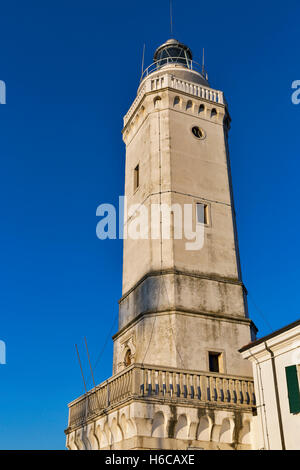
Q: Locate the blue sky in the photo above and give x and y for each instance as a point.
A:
(72, 69)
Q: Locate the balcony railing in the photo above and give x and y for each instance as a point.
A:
(167, 80)
(162, 383)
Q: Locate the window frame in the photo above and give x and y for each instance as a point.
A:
(293, 387)
(222, 360)
(207, 213)
(136, 178)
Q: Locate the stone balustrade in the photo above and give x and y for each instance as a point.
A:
(167, 80)
(172, 385)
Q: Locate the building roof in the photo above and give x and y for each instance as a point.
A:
(175, 48)
(271, 335)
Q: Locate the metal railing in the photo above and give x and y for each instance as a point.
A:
(170, 384)
(176, 62)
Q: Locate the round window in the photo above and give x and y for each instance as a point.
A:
(197, 132)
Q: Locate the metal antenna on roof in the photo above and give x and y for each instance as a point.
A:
(171, 19)
(143, 58)
(81, 368)
(203, 68)
(88, 355)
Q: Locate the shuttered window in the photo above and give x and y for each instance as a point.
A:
(293, 388)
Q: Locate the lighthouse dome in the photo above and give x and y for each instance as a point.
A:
(177, 58)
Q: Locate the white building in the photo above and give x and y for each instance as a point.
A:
(276, 369)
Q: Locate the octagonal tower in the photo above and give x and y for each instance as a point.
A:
(178, 378)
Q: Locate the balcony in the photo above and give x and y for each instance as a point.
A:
(164, 384)
(168, 80)
(174, 61)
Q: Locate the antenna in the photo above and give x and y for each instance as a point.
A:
(171, 19)
(143, 58)
(203, 69)
(81, 368)
(88, 355)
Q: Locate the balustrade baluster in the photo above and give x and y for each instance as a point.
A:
(168, 382)
(176, 385)
(238, 394)
(253, 398)
(185, 385)
(214, 392)
(181, 384)
(149, 382)
(225, 390)
(153, 381)
(115, 386)
(198, 389)
(144, 382)
(232, 391)
(210, 389)
(124, 383)
(190, 385)
(111, 386)
(218, 389)
(156, 384)
(203, 387)
(242, 392)
(163, 383)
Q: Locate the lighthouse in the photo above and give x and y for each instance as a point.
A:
(178, 379)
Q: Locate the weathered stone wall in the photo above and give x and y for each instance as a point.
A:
(161, 426)
(183, 340)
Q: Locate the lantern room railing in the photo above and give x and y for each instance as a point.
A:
(175, 62)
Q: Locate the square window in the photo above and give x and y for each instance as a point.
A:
(214, 362)
(201, 213)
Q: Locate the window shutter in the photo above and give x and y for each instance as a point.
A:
(293, 388)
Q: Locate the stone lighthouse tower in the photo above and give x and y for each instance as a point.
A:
(178, 379)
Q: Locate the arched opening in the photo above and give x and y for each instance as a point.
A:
(157, 101)
(201, 108)
(244, 437)
(226, 432)
(213, 112)
(189, 105)
(128, 358)
(92, 437)
(176, 101)
(204, 429)
(181, 428)
(158, 425)
(116, 431)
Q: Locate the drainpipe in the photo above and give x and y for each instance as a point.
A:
(277, 396)
(262, 401)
